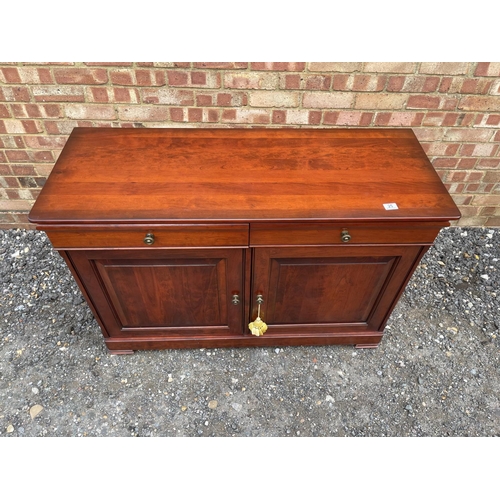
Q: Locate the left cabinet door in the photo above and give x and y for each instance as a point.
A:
(175, 294)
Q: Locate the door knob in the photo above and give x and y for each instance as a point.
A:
(345, 236)
(149, 239)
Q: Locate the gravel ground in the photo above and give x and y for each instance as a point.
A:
(436, 372)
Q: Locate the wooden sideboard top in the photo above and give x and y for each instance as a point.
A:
(162, 175)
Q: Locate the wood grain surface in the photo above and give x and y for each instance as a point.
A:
(199, 175)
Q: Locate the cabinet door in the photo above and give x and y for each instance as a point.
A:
(315, 290)
(163, 292)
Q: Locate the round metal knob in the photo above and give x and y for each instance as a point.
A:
(345, 236)
(149, 239)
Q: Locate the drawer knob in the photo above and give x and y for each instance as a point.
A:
(236, 299)
(258, 327)
(149, 239)
(345, 236)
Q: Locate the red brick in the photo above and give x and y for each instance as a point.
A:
(193, 79)
(43, 156)
(205, 100)
(487, 120)
(475, 86)
(198, 78)
(19, 94)
(229, 114)
(445, 162)
(487, 69)
(330, 117)
(451, 119)
(492, 176)
(292, 81)
(195, 114)
(497, 136)
(177, 114)
(177, 78)
(492, 222)
(99, 94)
(412, 83)
(455, 188)
(341, 82)
(446, 83)
(23, 170)
(489, 163)
(315, 117)
(125, 95)
(213, 115)
(477, 103)
(368, 83)
(17, 155)
(440, 149)
(4, 111)
(279, 116)
(467, 163)
(423, 102)
(80, 76)
(10, 75)
(45, 142)
(11, 182)
(12, 194)
(444, 68)
(478, 149)
(399, 119)
(150, 78)
(36, 75)
(490, 211)
(278, 66)
(122, 77)
(316, 82)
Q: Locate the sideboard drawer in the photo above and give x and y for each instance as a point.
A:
(159, 236)
(285, 234)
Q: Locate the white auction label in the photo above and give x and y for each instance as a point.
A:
(391, 206)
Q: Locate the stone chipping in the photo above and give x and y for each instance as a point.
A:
(435, 373)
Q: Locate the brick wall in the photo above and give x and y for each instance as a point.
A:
(454, 109)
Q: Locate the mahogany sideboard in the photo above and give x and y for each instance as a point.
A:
(182, 237)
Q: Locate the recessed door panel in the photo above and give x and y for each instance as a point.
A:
(164, 292)
(169, 292)
(329, 288)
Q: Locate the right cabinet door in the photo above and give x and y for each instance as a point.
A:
(321, 290)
